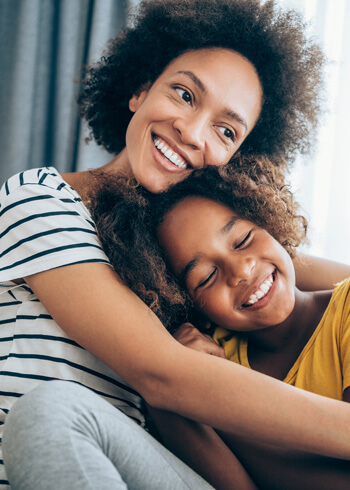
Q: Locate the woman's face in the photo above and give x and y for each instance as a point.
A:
(238, 275)
(197, 113)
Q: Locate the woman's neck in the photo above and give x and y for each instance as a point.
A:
(85, 182)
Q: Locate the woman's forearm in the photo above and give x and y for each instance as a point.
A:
(314, 274)
(106, 318)
(249, 404)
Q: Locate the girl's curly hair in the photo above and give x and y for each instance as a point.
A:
(288, 63)
(127, 218)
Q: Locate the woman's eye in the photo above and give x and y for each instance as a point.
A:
(206, 280)
(244, 240)
(227, 133)
(186, 96)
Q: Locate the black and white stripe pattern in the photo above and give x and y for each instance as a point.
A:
(44, 225)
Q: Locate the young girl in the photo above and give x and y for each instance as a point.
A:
(190, 83)
(227, 236)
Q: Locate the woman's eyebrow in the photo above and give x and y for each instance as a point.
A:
(234, 115)
(228, 112)
(194, 79)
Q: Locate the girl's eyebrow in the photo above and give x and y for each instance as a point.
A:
(229, 112)
(229, 225)
(186, 271)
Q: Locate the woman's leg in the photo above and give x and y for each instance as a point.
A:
(62, 435)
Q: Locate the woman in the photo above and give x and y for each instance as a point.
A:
(179, 90)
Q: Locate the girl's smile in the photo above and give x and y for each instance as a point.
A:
(263, 294)
(237, 274)
(197, 113)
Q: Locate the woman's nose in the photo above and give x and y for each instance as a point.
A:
(192, 130)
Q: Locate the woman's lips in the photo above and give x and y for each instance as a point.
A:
(169, 153)
(169, 156)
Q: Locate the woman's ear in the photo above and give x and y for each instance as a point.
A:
(137, 99)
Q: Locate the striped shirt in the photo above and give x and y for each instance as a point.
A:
(44, 225)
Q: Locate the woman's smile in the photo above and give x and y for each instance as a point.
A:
(197, 113)
(170, 155)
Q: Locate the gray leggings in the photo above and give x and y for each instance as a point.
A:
(62, 436)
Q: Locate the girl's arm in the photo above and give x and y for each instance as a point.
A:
(315, 274)
(202, 449)
(100, 313)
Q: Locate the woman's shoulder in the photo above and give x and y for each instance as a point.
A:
(44, 225)
(35, 181)
(38, 190)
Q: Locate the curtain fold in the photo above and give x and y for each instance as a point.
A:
(44, 45)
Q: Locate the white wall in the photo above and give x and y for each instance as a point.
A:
(322, 182)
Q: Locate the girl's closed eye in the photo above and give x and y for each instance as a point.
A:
(244, 241)
(207, 281)
(184, 94)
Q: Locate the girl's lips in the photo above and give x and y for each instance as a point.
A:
(181, 164)
(261, 303)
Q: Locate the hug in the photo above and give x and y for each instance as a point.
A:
(88, 364)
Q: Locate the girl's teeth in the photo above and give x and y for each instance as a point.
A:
(261, 292)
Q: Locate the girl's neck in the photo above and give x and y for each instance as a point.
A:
(275, 350)
(298, 327)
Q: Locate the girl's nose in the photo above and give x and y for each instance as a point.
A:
(239, 269)
(192, 130)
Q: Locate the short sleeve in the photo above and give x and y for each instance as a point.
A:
(44, 225)
(345, 340)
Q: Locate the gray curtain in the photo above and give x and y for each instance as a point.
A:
(43, 46)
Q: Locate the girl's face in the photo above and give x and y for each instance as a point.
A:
(238, 275)
(198, 112)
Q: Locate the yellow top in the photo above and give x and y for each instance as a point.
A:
(323, 366)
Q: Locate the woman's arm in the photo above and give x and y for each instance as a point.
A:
(104, 316)
(198, 445)
(315, 274)
(270, 466)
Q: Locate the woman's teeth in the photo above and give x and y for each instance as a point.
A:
(261, 292)
(169, 154)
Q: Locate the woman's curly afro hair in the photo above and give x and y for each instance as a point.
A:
(288, 63)
(127, 218)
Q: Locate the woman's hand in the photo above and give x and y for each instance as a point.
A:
(191, 337)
